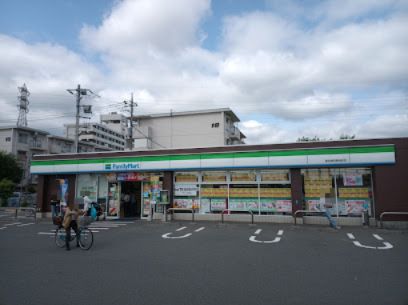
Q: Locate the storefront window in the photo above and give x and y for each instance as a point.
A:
(186, 191)
(319, 190)
(342, 192)
(87, 185)
(267, 191)
(152, 186)
(354, 191)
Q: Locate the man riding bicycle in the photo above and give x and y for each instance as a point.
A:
(70, 221)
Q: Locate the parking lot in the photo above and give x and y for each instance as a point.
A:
(137, 262)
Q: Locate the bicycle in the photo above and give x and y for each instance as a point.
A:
(85, 235)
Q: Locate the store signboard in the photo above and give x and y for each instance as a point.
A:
(201, 161)
(185, 189)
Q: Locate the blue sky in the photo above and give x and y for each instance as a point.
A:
(287, 68)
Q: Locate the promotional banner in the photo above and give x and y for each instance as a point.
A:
(185, 189)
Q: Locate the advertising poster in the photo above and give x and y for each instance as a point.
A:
(243, 204)
(63, 183)
(237, 205)
(355, 206)
(205, 206)
(283, 205)
(218, 204)
(352, 180)
(185, 189)
(268, 205)
(183, 203)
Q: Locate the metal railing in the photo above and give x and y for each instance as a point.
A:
(179, 209)
(225, 210)
(29, 212)
(304, 212)
(390, 213)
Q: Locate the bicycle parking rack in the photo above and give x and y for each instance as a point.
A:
(225, 210)
(32, 211)
(180, 209)
(390, 213)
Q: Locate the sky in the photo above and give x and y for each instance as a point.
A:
(288, 69)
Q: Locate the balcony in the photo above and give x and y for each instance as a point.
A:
(233, 133)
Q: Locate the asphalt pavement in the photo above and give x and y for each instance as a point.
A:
(137, 262)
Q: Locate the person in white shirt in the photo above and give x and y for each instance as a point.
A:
(87, 205)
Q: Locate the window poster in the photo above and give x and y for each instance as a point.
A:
(356, 206)
(218, 204)
(352, 180)
(185, 190)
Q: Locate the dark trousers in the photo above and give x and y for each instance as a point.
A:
(74, 226)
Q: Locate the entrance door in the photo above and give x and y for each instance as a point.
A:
(131, 198)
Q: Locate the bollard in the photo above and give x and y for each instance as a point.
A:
(365, 218)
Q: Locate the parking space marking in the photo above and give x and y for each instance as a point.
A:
(2, 228)
(276, 240)
(167, 235)
(176, 237)
(25, 224)
(12, 224)
(386, 246)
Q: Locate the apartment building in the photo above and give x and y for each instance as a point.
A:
(203, 128)
(100, 135)
(23, 143)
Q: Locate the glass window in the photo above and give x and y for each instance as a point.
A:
(214, 177)
(243, 176)
(354, 191)
(87, 186)
(275, 175)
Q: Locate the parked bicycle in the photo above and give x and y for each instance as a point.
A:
(85, 234)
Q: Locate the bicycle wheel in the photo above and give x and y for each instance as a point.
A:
(85, 239)
(60, 237)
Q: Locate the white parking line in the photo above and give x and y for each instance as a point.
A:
(97, 228)
(12, 224)
(176, 237)
(25, 224)
(351, 236)
(46, 233)
(386, 246)
(276, 240)
(2, 228)
(378, 237)
(200, 229)
(180, 229)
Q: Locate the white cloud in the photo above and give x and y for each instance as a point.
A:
(310, 79)
(147, 27)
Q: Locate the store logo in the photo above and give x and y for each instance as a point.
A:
(122, 166)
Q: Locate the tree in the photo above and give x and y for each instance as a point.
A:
(9, 168)
(6, 190)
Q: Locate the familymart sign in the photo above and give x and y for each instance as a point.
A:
(349, 156)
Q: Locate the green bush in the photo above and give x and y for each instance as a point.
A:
(6, 190)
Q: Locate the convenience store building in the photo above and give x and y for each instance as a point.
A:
(273, 181)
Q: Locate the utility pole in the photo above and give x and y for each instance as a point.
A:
(87, 109)
(132, 105)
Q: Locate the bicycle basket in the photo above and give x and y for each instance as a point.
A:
(85, 221)
(57, 220)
